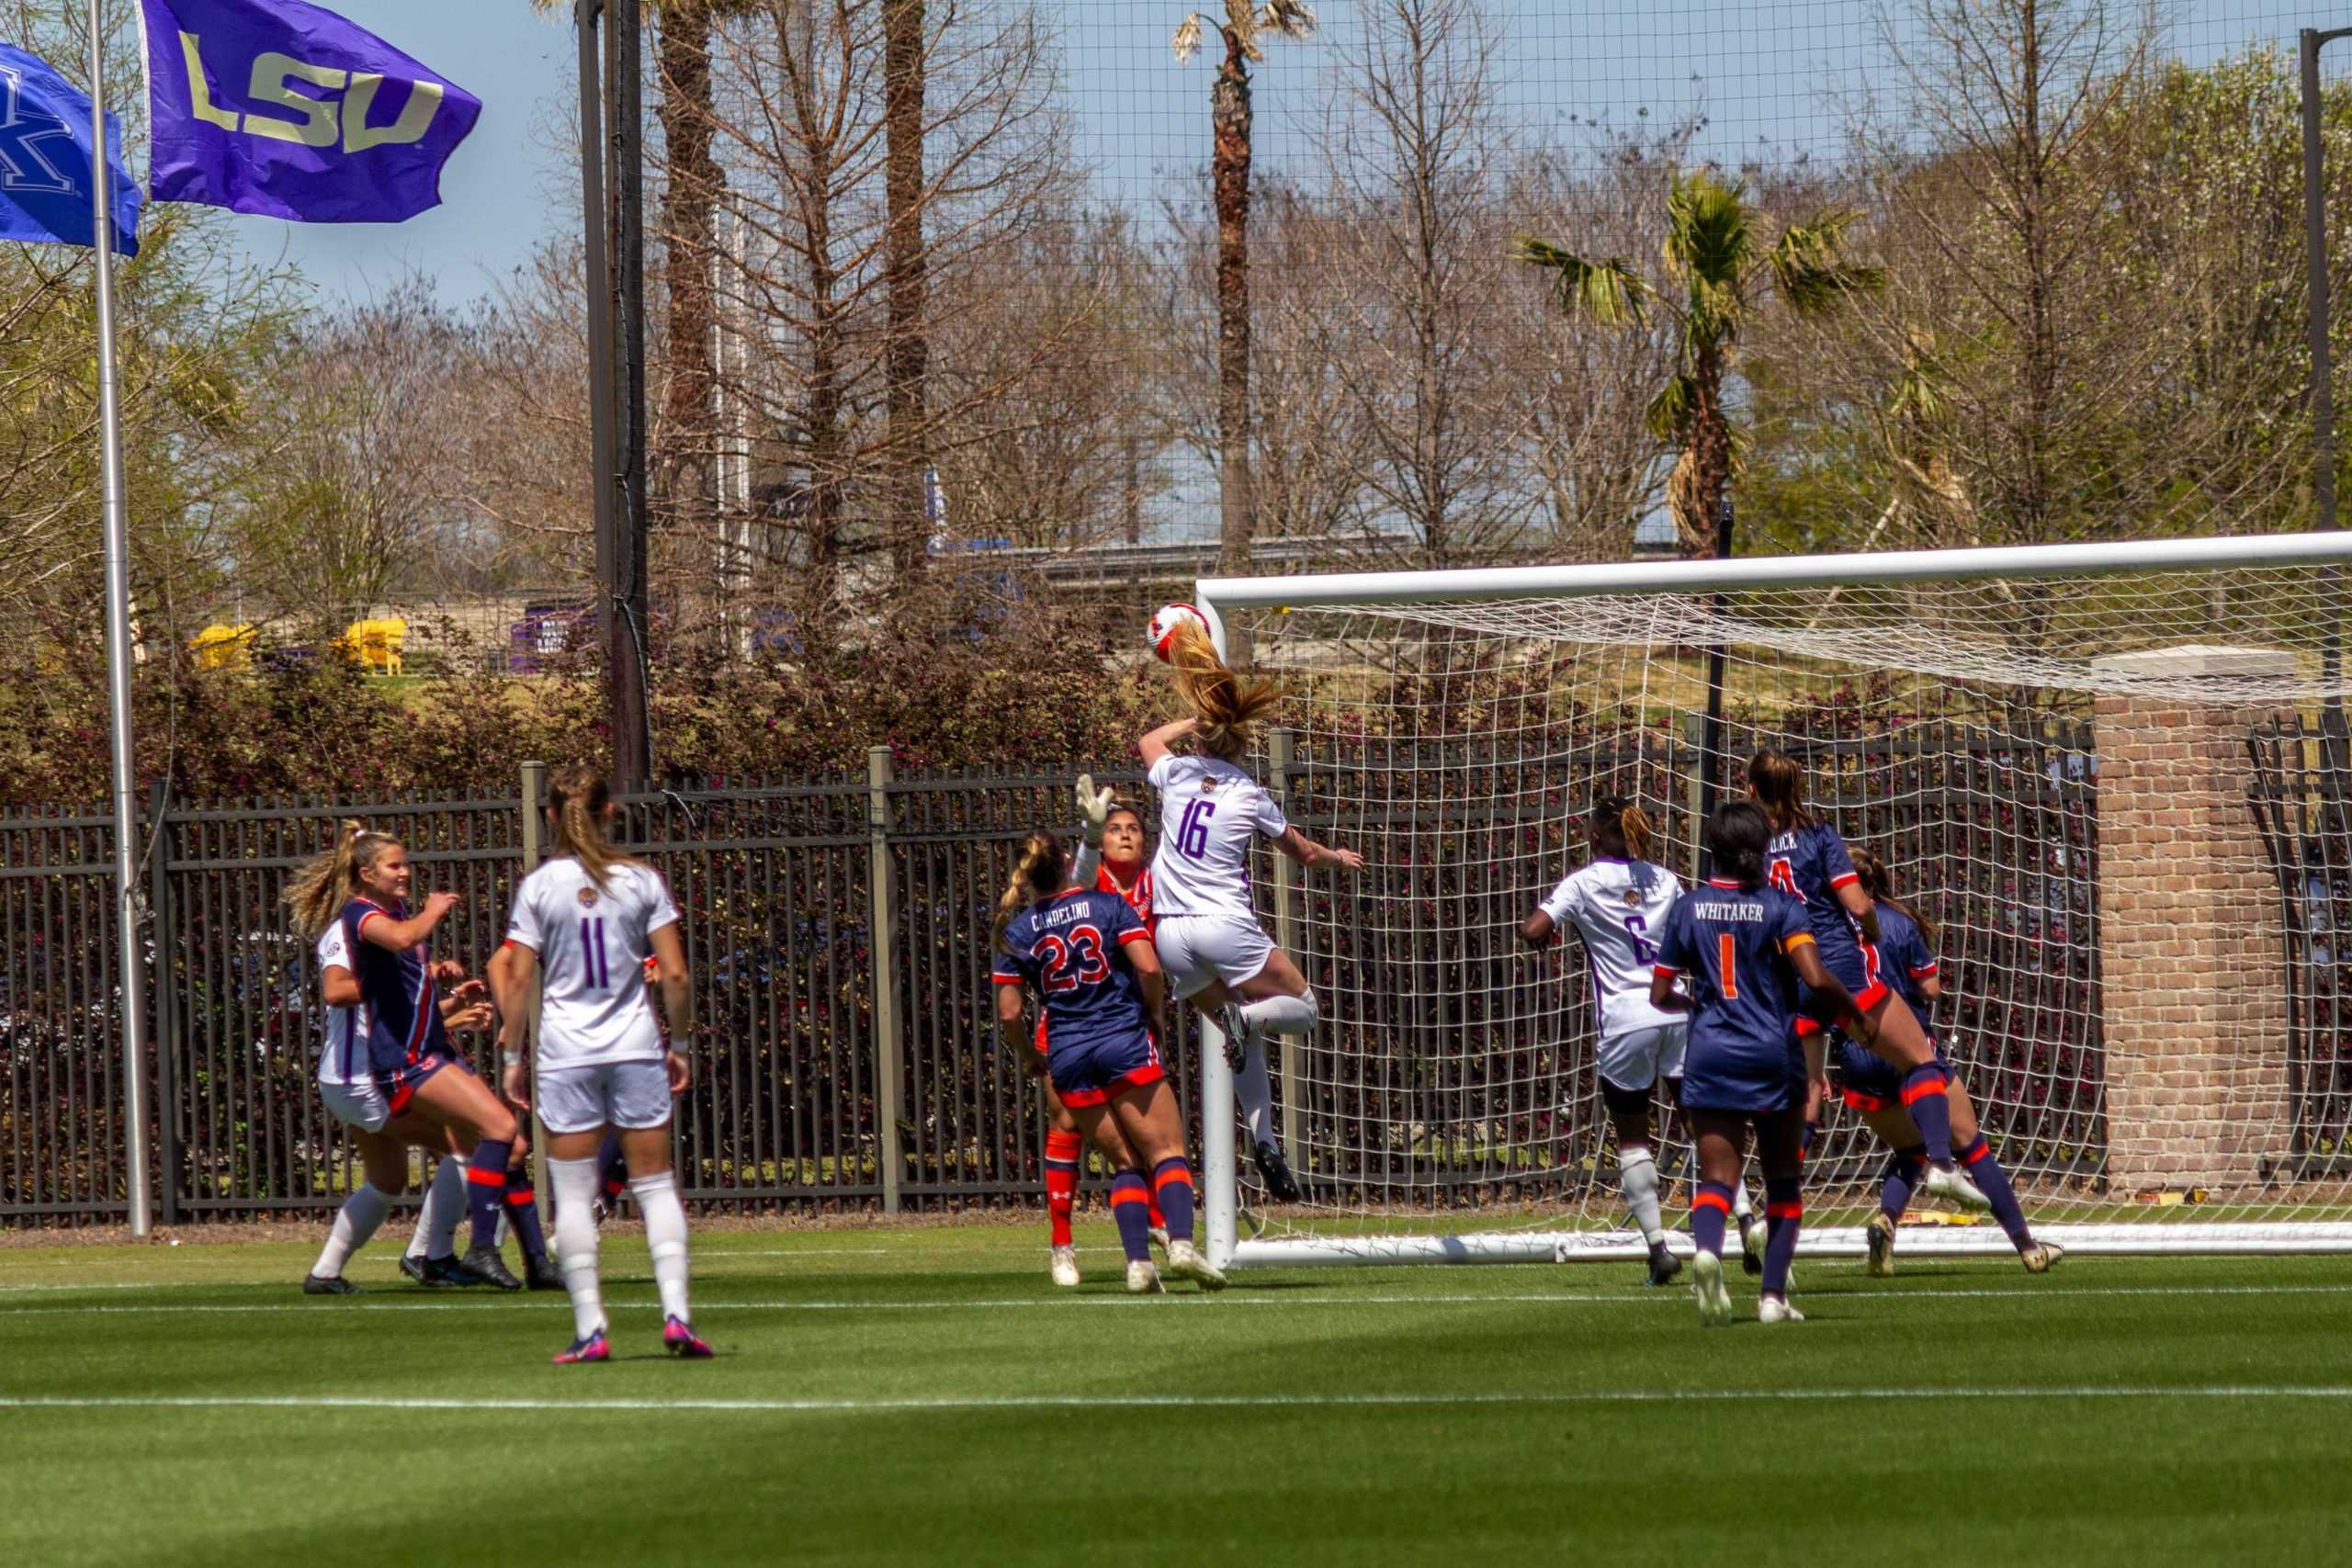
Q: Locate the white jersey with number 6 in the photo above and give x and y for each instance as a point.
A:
(1617, 907)
(1210, 810)
(592, 945)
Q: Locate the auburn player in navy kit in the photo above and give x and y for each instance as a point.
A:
(1746, 949)
(1089, 958)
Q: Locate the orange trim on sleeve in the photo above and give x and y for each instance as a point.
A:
(1846, 881)
(1670, 974)
(1126, 937)
(1790, 944)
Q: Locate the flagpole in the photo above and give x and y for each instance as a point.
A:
(129, 928)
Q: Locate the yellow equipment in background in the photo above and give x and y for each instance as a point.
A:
(220, 646)
(375, 644)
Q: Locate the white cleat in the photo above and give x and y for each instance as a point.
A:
(1143, 1280)
(1879, 1235)
(1159, 1238)
(2041, 1258)
(1065, 1266)
(1773, 1309)
(1948, 1182)
(1185, 1261)
(1707, 1285)
(1753, 1236)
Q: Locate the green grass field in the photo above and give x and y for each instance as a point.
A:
(908, 1395)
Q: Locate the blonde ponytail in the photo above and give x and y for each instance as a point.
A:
(1227, 706)
(578, 798)
(1042, 871)
(318, 892)
(1634, 824)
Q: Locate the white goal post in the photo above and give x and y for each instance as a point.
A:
(2117, 775)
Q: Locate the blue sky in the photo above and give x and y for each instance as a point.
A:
(1776, 78)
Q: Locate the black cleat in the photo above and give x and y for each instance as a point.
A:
(1236, 1029)
(441, 1274)
(333, 1285)
(1752, 1236)
(413, 1267)
(1274, 1171)
(490, 1269)
(1663, 1265)
(541, 1274)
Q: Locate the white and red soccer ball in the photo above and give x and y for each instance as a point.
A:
(1164, 622)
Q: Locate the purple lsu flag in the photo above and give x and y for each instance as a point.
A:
(284, 108)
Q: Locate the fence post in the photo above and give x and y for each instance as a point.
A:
(1282, 747)
(534, 786)
(166, 1030)
(882, 894)
(1694, 735)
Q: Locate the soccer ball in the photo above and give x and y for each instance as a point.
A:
(1165, 619)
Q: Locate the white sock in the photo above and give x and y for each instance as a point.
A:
(665, 1234)
(1637, 1178)
(445, 1205)
(576, 1181)
(353, 1224)
(1741, 1209)
(1284, 1015)
(1256, 1092)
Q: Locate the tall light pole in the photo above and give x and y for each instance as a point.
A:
(2322, 373)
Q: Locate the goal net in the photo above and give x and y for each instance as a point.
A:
(2114, 778)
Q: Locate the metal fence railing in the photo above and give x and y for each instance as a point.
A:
(839, 931)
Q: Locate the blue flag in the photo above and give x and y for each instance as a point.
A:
(45, 163)
(284, 108)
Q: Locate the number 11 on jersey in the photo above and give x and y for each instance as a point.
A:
(599, 975)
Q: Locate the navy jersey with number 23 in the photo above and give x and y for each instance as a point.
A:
(1072, 949)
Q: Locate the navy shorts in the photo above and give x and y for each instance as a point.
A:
(1741, 1078)
(400, 1085)
(1091, 1072)
(1868, 1082)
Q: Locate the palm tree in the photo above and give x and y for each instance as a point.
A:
(1230, 114)
(1723, 271)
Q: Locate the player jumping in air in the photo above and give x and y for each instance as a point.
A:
(407, 1044)
(1216, 954)
(584, 925)
(1873, 1089)
(1091, 962)
(348, 1088)
(1809, 861)
(1746, 949)
(1618, 903)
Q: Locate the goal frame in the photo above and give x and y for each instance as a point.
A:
(1220, 1188)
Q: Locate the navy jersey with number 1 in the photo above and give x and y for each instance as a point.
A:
(1735, 943)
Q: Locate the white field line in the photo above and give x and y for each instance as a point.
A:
(1296, 1298)
(1181, 1402)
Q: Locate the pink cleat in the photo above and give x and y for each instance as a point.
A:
(591, 1348)
(679, 1338)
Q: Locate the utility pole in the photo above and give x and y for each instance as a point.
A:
(612, 143)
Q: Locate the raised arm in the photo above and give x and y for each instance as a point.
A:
(1160, 742)
(1310, 854)
(401, 935)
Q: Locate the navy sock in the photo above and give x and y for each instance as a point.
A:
(486, 1189)
(1171, 1181)
(1131, 1206)
(1783, 1217)
(1923, 1096)
(1904, 1169)
(1710, 1208)
(612, 1171)
(1994, 1183)
(523, 1214)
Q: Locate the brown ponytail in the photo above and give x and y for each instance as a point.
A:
(1776, 782)
(318, 892)
(578, 798)
(1042, 871)
(1878, 884)
(1634, 825)
(1227, 706)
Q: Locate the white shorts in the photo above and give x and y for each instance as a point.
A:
(1197, 949)
(360, 1105)
(635, 1095)
(1639, 1057)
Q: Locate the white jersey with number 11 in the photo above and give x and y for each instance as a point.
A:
(593, 943)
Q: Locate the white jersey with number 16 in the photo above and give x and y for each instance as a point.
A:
(1210, 811)
(593, 943)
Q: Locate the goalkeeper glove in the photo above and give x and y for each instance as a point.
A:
(1093, 809)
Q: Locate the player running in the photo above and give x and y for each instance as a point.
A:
(1746, 949)
(1618, 903)
(1809, 861)
(400, 1029)
(350, 1093)
(1216, 954)
(1872, 1088)
(1089, 958)
(584, 925)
